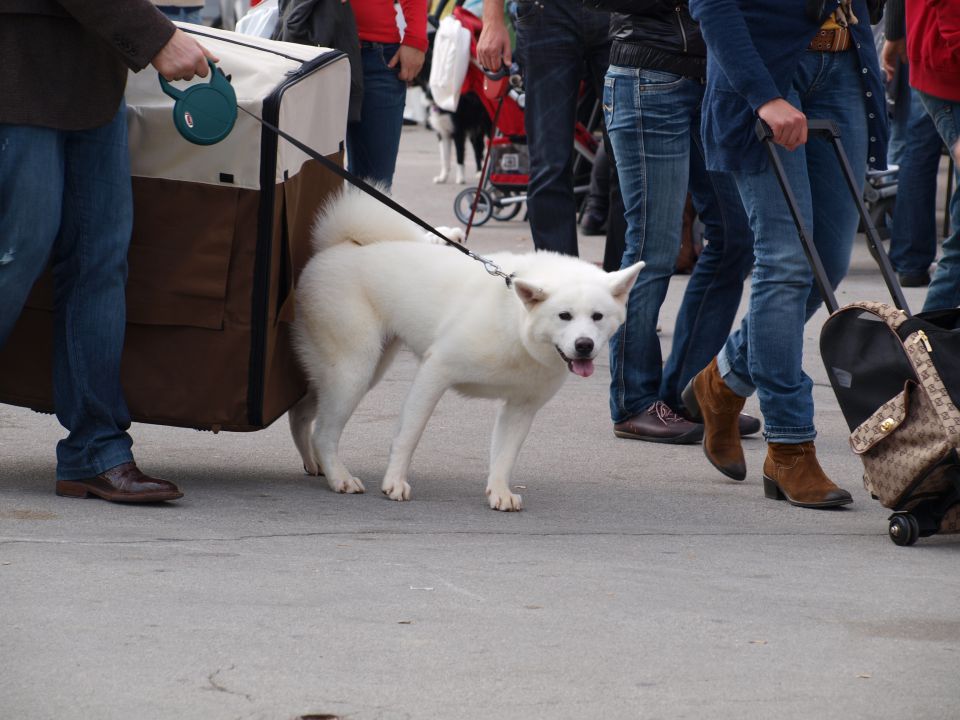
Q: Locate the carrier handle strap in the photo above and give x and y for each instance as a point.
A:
(829, 130)
(488, 265)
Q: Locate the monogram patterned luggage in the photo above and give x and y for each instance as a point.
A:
(897, 380)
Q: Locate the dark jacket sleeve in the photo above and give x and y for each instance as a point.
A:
(728, 40)
(134, 28)
(895, 27)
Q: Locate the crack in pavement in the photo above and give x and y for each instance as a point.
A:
(439, 533)
(215, 686)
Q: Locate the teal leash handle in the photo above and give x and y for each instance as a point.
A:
(204, 114)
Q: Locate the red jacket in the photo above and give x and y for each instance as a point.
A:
(377, 22)
(933, 47)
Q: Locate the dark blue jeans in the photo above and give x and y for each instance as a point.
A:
(373, 142)
(653, 119)
(67, 199)
(913, 235)
(555, 39)
(944, 290)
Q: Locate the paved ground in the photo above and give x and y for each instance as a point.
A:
(637, 583)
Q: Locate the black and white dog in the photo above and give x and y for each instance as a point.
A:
(469, 122)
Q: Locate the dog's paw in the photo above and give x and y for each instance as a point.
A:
(504, 501)
(349, 485)
(313, 468)
(396, 489)
(440, 179)
(454, 233)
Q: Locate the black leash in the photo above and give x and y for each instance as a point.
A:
(490, 266)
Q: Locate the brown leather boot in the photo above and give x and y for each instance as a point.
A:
(709, 400)
(792, 473)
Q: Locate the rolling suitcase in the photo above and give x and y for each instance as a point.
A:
(896, 377)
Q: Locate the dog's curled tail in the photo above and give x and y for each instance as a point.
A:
(352, 216)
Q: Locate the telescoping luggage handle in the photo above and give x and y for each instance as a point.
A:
(829, 130)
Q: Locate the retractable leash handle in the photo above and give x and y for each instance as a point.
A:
(205, 113)
(830, 131)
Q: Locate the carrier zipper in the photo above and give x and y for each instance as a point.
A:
(922, 337)
(683, 33)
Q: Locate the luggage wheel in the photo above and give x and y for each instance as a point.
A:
(904, 529)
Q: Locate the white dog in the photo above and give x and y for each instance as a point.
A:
(360, 297)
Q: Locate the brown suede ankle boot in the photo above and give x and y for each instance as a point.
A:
(708, 400)
(792, 473)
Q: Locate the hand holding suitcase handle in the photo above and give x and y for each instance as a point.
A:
(826, 128)
(830, 131)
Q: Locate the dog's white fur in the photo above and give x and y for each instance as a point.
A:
(360, 297)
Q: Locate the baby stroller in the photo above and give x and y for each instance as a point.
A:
(506, 168)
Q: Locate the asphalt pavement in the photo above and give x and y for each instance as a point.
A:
(636, 583)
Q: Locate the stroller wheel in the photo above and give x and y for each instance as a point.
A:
(463, 206)
(504, 212)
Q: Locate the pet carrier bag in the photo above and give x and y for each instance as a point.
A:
(220, 234)
(897, 381)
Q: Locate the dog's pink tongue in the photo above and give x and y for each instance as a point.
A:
(583, 368)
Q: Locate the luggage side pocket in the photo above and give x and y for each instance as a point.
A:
(180, 253)
(899, 444)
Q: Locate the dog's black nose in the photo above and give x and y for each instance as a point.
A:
(583, 346)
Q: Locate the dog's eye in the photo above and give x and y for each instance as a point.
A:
(566, 316)
(597, 317)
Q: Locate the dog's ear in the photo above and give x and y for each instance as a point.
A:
(622, 281)
(531, 295)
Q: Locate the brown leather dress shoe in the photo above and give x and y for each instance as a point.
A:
(123, 483)
(747, 424)
(792, 473)
(709, 400)
(658, 423)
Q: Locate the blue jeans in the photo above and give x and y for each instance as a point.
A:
(766, 352)
(653, 119)
(182, 14)
(944, 290)
(373, 141)
(913, 234)
(555, 40)
(67, 200)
